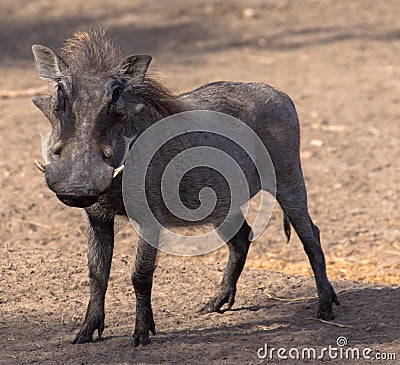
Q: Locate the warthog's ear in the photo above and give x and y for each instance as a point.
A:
(133, 69)
(50, 65)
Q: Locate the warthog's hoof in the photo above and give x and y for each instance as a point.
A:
(141, 334)
(325, 312)
(326, 315)
(216, 303)
(142, 338)
(79, 339)
(86, 333)
(137, 340)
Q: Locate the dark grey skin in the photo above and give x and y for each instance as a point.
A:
(102, 103)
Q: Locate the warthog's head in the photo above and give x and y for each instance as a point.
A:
(90, 136)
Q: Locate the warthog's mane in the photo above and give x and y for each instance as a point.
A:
(91, 51)
(94, 52)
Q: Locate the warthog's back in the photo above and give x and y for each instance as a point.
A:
(269, 112)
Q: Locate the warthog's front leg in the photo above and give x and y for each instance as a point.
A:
(101, 243)
(142, 280)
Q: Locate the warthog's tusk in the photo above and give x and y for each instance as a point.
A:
(118, 171)
(40, 166)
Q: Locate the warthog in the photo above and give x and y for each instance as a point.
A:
(101, 104)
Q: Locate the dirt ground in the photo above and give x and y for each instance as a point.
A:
(339, 61)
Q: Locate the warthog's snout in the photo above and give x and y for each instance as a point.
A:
(79, 201)
(79, 197)
(78, 185)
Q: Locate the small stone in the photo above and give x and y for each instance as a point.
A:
(249, 13)
(305, 154)
(262, 42)
(316, 142)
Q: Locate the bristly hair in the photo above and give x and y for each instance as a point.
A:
(156, 94)
(91, 51)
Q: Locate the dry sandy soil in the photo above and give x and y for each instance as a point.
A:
(339, 61)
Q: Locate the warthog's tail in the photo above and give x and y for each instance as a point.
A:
(286, 227)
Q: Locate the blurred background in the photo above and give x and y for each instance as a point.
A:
(338, 60)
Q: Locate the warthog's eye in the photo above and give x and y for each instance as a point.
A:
(61, 99)
(116, 94)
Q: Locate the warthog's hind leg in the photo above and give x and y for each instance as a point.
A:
(238, 248)
(293, 200)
